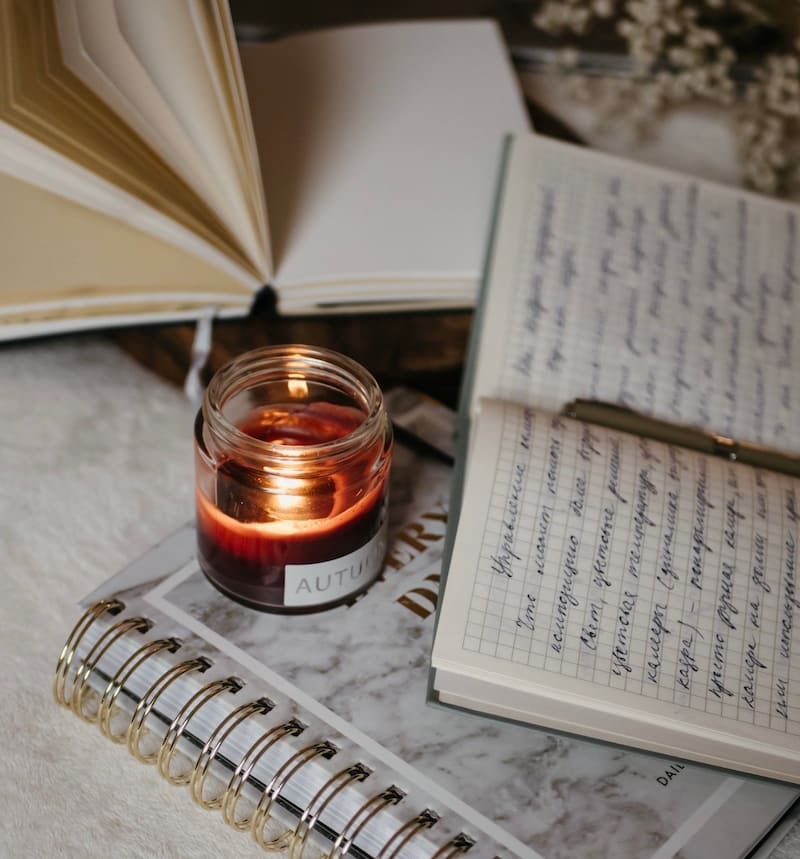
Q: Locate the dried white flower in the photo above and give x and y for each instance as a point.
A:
(677, 56)
(603, 8)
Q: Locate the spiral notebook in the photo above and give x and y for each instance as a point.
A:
(313, 733)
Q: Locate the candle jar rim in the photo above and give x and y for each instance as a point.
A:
(302, 362)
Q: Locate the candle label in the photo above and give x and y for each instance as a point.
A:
(326, 581)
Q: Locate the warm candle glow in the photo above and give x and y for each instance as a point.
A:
(292, 468)
(289, 503)
(298, 387)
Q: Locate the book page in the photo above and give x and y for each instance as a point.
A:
(619, 282)
(41, 99)
(380, 147)
(93, 47)
(177, 57)
(94, 270)
(628, 577)
(94, 50)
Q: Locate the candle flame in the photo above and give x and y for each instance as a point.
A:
(298, 387)
(288, 502)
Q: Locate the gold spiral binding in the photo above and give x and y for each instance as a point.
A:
(117, 682)
(344, 841)
(86, 620)
(277, 783)
(182, 718)
(460, 844)
(213, 744)
(233, 791)
(101, 646)
(424, 820)
(135, 730)
(296, 838)
(320, 801)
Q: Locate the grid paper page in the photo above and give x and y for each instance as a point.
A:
(624, 283)
(633, 566)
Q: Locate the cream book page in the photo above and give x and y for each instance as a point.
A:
(94, 48)
(187, 69)
(36, 164)
(80, 263)
(380, 146)
(627, 590)
(42, 100)
(615, 281)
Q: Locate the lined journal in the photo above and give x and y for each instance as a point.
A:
(631, 575)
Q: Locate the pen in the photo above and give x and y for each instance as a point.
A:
(624, 419)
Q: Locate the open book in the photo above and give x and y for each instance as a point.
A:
(149, 170)
(602, 582)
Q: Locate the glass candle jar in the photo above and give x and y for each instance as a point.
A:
(292, 454)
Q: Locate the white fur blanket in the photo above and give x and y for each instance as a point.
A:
(96, 465)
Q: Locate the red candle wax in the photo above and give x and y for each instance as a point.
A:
(298, 543)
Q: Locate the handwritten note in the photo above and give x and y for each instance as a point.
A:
(629, 284)
(638, 566)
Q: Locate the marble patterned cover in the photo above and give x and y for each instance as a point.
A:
(359, 673)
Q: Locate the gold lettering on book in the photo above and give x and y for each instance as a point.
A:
(415, 538)
(412, 541)
(422, 609)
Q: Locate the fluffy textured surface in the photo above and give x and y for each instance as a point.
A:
(96, 465)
